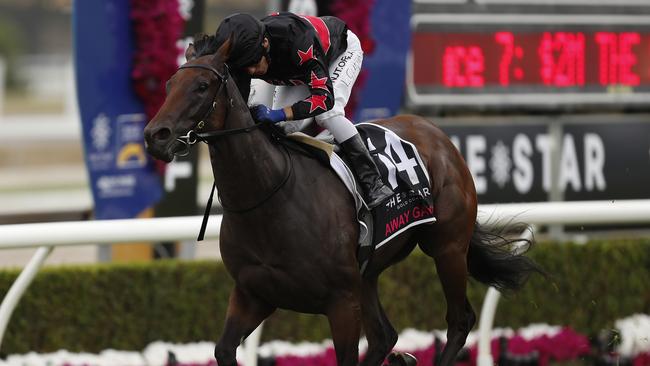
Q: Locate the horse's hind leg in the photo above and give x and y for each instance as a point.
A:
(380, 333)
(447, 242)
(460, 315)
(243, 316)
(344, 316)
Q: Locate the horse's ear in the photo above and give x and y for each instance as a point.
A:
(190, 52)
(223, 53)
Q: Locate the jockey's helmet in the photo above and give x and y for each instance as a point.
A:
(247, 35)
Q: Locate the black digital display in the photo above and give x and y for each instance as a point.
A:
(530, 60)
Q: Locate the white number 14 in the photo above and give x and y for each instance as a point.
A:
(405, 164)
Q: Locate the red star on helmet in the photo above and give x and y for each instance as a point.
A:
(318, 83)
(317, 101)
(306, 55)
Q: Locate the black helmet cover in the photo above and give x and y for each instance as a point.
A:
(247, 35)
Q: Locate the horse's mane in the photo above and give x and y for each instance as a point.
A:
(205, 44)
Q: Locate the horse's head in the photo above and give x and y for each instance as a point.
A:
(194, 95)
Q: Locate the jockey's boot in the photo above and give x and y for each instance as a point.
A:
(366, 171)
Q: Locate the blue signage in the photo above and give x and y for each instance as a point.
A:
(383, 90)
(123, 179)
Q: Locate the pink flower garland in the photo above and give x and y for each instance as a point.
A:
(157, 25)
(356, 14)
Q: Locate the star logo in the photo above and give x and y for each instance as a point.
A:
(317, 83)
(317, 101)
(306, 55)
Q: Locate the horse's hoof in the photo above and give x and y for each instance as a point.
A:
(402, 359)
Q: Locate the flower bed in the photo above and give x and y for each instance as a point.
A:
(543, 343)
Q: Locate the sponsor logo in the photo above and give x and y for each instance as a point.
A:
(115, 185)
(347, 68)
(101, 131)
(341, 65)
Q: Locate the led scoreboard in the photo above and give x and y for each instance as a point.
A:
(520, 56)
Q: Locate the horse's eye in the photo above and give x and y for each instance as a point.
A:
(203, 86)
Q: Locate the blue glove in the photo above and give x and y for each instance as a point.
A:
(262, 113)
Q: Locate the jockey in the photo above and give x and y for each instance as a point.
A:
(314, 61)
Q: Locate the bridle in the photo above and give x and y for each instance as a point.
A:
(192, 137)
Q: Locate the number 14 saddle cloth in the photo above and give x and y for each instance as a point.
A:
(402, 169)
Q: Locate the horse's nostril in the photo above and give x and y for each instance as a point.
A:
(162, 134)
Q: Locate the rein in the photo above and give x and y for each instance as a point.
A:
(208, 205)
(210, 137)
(192, 137)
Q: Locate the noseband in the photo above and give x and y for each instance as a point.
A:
(192, 137)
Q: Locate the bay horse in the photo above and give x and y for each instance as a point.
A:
(289, 230)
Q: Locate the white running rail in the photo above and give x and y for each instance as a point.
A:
(549, 213)
(48, 235)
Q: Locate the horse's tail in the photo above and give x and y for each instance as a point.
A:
(498, 261)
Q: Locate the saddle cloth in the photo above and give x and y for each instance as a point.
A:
(401, 168)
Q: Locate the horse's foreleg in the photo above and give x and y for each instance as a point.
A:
(380, 333)
(344, 317)
(243, 316)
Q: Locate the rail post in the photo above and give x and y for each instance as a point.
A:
(20, 286)
(488, 311)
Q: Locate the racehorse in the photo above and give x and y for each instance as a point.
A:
(289, 231)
